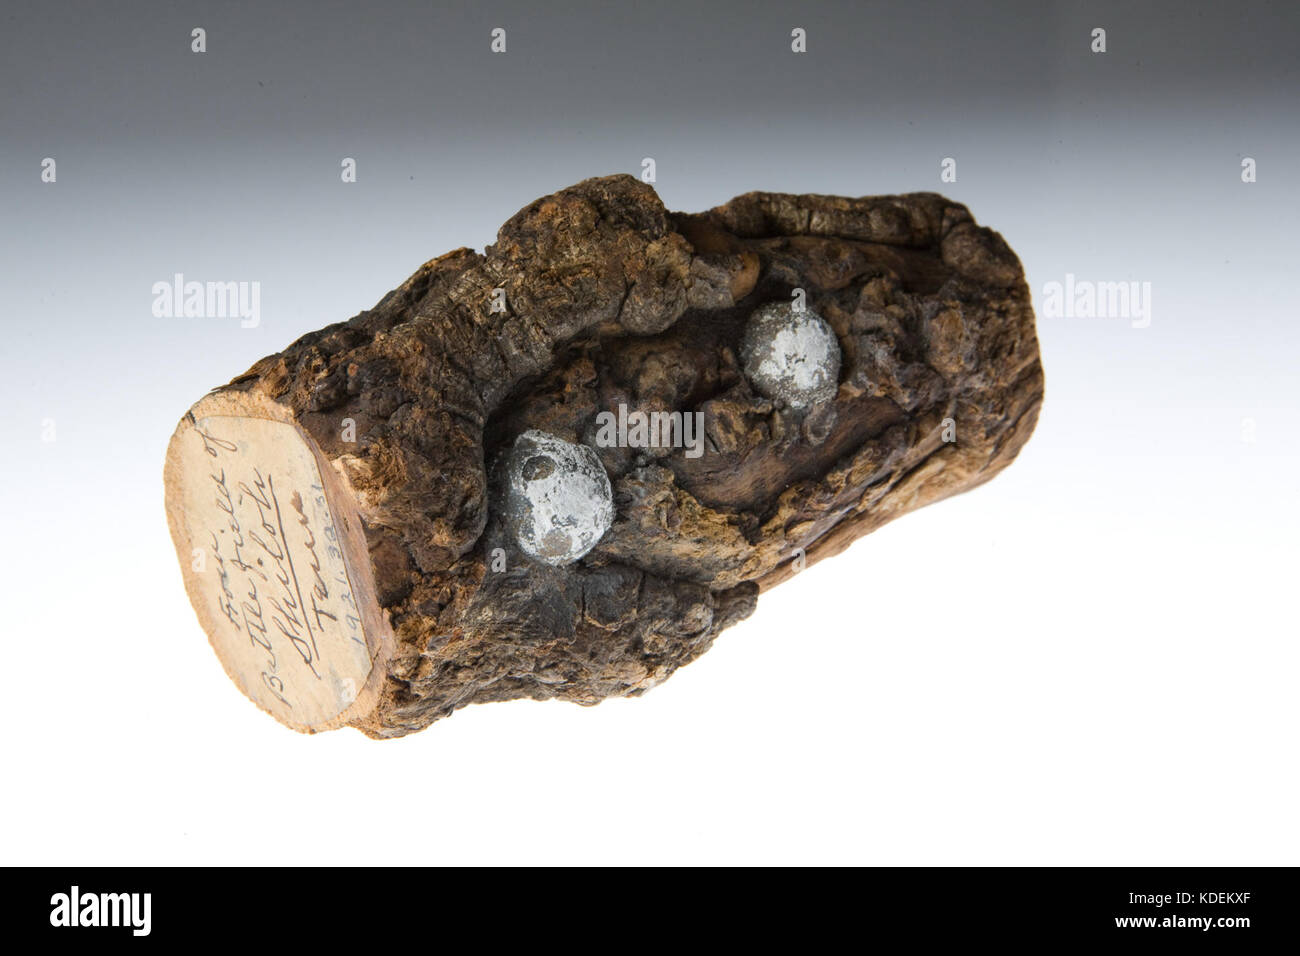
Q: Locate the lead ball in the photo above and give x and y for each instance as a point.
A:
(791, 355)
(559, 502)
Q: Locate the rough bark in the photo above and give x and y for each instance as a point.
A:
(612, 299)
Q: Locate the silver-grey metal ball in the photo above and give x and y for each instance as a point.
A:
(558, 500)
(791, 355)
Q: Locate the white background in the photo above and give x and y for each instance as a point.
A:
(1091, 660)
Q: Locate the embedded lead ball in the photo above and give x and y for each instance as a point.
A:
(558, 498)
(791, 355)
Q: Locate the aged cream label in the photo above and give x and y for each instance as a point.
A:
(269, 568)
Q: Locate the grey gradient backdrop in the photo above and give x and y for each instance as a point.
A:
(1148, 547)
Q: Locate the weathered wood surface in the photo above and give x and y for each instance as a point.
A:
(612, 300)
